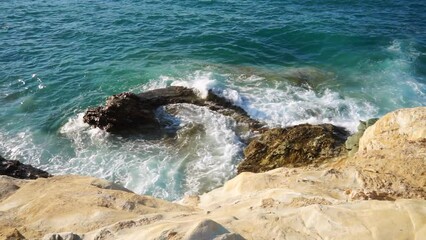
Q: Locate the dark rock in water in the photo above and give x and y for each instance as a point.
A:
(17, 169)
(122, 111)
(352, 143)
(295, 146)
(127, 111)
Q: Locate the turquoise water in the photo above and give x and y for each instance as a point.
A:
(285, 62)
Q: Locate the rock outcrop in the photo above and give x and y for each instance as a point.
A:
(295, 146)
(17, 169)
(129, 111)
(75, 204)
(392, 153)
(378, 194)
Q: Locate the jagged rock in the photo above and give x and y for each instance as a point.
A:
(16, 169)
(127, 111)
(293, 147)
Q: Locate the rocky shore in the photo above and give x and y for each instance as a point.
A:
(301, 182)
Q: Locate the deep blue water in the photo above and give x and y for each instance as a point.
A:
(285, 62)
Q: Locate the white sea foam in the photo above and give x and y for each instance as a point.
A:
(201, 156)
(200, 81)
(391, 83)
(283, 104)
(212, 152)
(204, 152)
(290, 105)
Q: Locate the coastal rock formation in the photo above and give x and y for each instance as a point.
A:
(375, 195)
(75, 204)
(395, 148)
(127, 111)
(295, 146)
(17, 169)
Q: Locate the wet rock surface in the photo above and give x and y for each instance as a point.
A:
(129, 111)
(16, 169)
(295, 146)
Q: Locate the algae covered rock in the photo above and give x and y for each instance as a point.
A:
(293, 147)
(352, 143)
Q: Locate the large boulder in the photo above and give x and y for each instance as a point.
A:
(16, 169)
(295, 146)
(395, 148)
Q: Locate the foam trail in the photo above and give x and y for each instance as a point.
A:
(201, 157)
(200, 81)
(282, 104)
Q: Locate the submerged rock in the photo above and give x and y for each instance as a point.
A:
(308, 77)
(295, 146)
(129, 111)
(16, 169)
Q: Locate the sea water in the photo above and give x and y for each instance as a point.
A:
(284, 62)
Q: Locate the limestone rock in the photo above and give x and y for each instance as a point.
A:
(295, 146)
(62, 236)
(9, 185)
(209, 229)
(394, 148)
(104, 184)
(14, 235)
(73, 204)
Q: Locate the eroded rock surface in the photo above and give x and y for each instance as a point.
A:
(295, 146)
(392, 154)
(129, 111)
